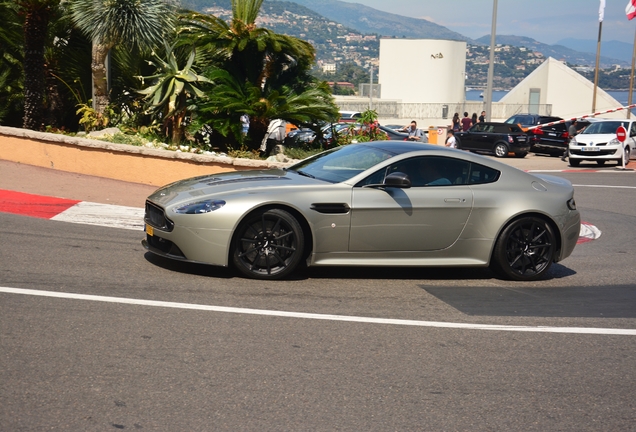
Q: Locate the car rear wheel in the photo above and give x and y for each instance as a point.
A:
(268, 245)
(525, 249)
(501, 150)
(574, 162)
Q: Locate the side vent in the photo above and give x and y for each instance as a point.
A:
(331, 208)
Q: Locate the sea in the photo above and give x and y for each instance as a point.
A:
(476, 95)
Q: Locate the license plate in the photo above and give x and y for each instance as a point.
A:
(590, 149)
(552, 134)
(150, 230)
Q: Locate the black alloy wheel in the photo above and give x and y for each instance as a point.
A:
(268, 245)
(525, 249)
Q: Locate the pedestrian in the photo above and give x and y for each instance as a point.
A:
(466, 122)
(415, 134)
(245, 123)
(275, 134)
(572, 132)
(474, 118)
(482, 117)
(450, 139)
(456, 122)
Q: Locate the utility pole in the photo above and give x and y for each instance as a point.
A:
(491, 64)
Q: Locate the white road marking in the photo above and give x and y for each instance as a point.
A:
(605, 186)
(107, 215)
(326, 317)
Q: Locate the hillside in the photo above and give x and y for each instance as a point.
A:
(557, 51)
(368, 20)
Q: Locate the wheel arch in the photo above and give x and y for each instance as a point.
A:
(304, 224)
(543, 216)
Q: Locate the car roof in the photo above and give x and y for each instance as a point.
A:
(399, 147)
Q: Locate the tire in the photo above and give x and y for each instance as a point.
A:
(501, 150)
(600, 162)
(524, 250)
(268, 245)
(574, 162)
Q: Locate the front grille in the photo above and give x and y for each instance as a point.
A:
(156, 217)
(164, 247)
(588, 153)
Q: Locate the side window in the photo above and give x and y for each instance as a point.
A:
(480, 174)
(427, 171)
(632, 130)
(479, 127)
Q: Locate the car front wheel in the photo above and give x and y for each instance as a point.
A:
(268, 245)
(501, 150)
(525, 249)
(574, 162)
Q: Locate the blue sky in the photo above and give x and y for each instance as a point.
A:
(547, 21)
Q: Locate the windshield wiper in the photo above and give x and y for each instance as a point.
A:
(306, 174)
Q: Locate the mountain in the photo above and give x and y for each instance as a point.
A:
(372, 21)
(559, 52)
(613, 49)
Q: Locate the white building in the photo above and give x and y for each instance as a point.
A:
(422, 70)
(569, 92)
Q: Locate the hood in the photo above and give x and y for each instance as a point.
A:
(235, 181)
(586, 139)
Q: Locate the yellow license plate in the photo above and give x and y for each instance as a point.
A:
(150, 230)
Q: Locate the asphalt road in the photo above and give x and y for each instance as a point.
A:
(99, 363)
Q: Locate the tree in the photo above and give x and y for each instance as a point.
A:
(255, 71)
(36, 14)
(168, 97)
(138, 24)
(11, 59)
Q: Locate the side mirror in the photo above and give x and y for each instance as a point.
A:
(397, 179)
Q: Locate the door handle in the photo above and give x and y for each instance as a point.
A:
(454, 200)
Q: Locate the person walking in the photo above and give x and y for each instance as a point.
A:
(572, 132)
(474, 119)
(456, 125)
(245, 123)
(482, 117)
(466, 122)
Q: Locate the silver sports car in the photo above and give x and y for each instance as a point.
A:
(386, 203)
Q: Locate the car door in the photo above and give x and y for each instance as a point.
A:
(475, 138)
(428, 216)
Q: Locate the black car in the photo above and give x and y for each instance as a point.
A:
(551, 140)
(497, 138)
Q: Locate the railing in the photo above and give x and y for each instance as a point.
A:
(394, 109)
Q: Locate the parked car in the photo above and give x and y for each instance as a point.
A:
(497, 138)
(552, 140)
(349, 116)
(394, 134)
(383, 203)
(598, 143)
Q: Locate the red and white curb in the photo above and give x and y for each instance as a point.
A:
(82, 212)
(114, 216)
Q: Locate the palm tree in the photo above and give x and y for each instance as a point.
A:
(11, 59)
(140, 24)
(37, 14)
(168, 97)
(255, 71)
(231, 97)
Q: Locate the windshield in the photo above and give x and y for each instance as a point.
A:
(341, 163)
(603, 127)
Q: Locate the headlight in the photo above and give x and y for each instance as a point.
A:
(573, 142)
(614, 142)
(199, 207)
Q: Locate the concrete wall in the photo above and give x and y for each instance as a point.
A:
(115, 161)
(422, 70)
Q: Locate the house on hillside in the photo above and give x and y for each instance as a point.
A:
(569, 93)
